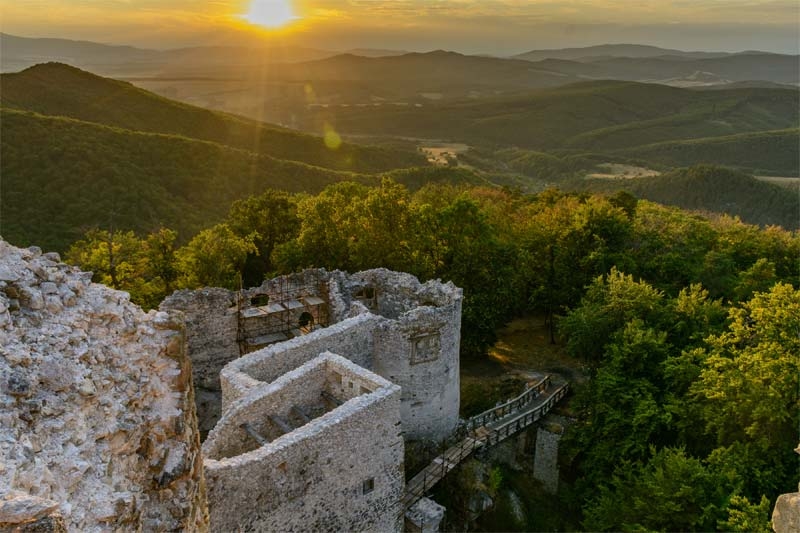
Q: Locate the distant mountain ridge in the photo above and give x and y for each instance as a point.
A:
(426, 70)
(396, 74)
(603, 51)
(375, 52)
(18, 53)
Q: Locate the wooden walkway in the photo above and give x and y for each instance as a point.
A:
(486, 430)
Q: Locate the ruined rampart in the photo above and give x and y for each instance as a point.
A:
(97, 424)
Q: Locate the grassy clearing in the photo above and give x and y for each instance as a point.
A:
(619, 171)
(789, 183)
(438, 153)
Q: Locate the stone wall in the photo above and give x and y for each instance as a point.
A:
(417, 347)
(425, 516)
(420, 352)
(342, 471)
(211, 324)
(406, 331)
(352, 337)
(786, 515)
(96, 405)
(545, 466)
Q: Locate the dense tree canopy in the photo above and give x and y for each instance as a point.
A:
(713, 397)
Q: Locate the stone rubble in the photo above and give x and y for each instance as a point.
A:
(97, 418)
(786, 515)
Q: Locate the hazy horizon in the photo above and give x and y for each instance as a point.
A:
(491, 26)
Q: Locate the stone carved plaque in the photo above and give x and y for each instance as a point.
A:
(425, 347)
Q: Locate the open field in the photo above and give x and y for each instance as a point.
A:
(615, 171)
(437, 153)
(789, 183)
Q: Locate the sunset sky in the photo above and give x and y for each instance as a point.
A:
(471, 26)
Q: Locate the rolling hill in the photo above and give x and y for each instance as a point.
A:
(590, 53)
(61, 90)
(600, 117)
(17, 53)
(671, 67)
(437, 70)
(776, 68)
(766, 152)
(354, 79)
(62, 176)
(712, 189)
(79, 150)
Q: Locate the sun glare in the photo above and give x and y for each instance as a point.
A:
(270, 13)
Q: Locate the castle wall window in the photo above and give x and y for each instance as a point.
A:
(368, 486)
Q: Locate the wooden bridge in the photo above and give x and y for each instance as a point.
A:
(486, 430)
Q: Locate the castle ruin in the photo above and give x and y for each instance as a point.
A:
(319, 378)
(309, 387)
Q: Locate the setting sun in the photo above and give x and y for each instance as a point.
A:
(270, 13)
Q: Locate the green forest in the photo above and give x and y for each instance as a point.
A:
(688, 326)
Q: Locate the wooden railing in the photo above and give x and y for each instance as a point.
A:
(517, 414)
(511, 406)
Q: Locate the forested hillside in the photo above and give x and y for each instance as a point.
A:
(712, 190)
(62, 176)
(776, 152)
(599, 117)
(61, 90)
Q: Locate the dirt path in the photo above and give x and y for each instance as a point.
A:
(522, 353)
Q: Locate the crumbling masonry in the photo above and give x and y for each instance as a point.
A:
(311, 383)
(97, 420)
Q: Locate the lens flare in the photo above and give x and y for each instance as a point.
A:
(331, 138)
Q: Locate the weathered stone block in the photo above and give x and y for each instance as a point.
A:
(786, 515)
